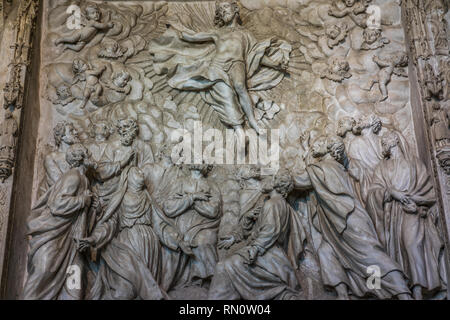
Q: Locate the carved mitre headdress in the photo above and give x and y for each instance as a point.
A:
(218, 21)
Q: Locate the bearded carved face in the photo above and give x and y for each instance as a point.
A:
(319, 147)
(337, 151)
(227, 11)
(387, 144)
(376, 126)
(70, 136)
(345, 125)
(101, 131)
(128, 131)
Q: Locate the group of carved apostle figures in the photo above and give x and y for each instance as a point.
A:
(114, 222)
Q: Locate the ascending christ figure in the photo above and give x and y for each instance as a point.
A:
(224, 64)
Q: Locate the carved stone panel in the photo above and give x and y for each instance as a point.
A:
(236, 150)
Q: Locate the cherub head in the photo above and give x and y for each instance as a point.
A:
(79, 66)
(121, 78)
(63, 92)
(333, 31)
(93, 12)
(371, 35)
(349, 3)
(110, 48)
(339, 66)
(401, 59)
(226, 12)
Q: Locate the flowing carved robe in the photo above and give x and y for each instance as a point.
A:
(279, 236)
(109, 170)
(349, 242)
(365, 154)
(411, 240)
(194, 66)
(55, 165)
(60, 216)
(130, 250)
(197, 222)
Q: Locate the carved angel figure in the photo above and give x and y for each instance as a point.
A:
(373, 39)
(355, 9)
(92, 88)
(336, 34)
(223, 64)
(338, 69)
(394, 64)
(80, 38)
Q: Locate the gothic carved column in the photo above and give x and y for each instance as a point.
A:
(16, 54)
(426, 28)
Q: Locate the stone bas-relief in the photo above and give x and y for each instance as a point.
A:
(351, 213)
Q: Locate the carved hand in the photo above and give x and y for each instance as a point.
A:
(95, 201)
(226, 242)
(283, 66)
(186, 248)
(87, 197)
(409, 206)
(128, 159)
(398, 196)
(84, 244)
(201, 196)
(252, 253)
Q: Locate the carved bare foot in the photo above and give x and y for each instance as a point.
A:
(342, 292)
(417, 293)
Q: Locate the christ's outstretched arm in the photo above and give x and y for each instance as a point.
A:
(198, 37)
